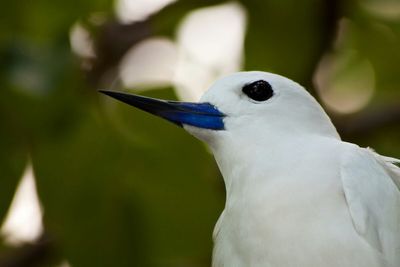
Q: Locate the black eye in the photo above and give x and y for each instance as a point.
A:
(258, 90)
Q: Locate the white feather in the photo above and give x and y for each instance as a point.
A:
(373, 200)
(297, 196)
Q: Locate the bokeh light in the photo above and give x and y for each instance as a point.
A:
(23, 222)
(345, 80)
(129, 11)
(149, 64)
(210, 43)
(81, 41)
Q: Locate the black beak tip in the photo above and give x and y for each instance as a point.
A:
(121, 96)
(108, 92)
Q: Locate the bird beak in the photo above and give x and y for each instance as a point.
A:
(201, 115)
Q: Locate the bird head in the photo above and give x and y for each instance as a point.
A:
(247, 106)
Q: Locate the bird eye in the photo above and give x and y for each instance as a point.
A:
(258, 90)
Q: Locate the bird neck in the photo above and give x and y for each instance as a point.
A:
(254, 161)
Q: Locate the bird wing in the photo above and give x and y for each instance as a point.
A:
(371, 187)
(389, 164)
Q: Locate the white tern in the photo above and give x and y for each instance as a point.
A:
(296, 194)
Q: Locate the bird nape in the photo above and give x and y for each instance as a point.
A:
(297, 194)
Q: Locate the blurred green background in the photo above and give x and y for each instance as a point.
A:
(118, 187)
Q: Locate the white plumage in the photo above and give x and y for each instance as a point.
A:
(297, 196)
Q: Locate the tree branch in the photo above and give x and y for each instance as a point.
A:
(368, 121)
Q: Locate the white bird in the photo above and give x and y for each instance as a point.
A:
(296, 195)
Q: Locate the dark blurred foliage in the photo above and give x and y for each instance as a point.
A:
(119, 187)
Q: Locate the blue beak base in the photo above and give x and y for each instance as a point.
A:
(201, 115)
